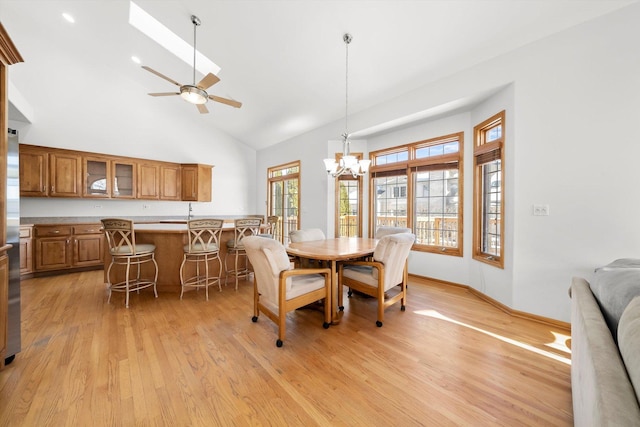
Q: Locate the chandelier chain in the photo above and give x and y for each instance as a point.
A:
(347, 40)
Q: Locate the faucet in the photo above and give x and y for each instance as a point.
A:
(190, 210)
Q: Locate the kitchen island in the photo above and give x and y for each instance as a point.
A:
(169, 239)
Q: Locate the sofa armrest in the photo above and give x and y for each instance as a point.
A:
(602, 393)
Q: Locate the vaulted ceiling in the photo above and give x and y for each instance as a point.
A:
(284, 60)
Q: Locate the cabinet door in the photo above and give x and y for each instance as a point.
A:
(88, 250)
(65, 175)
(52, 247)
(170, 182)
(52, 253)
(26, 256)
(33, 173)
(4, 305)
(196, 183)
(148, 180)
(124, 179)
(96, 177)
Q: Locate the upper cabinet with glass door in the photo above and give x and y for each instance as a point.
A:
(104, 178)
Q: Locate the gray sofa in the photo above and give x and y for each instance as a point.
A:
(605, 346)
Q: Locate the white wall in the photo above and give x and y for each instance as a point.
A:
(571, 104)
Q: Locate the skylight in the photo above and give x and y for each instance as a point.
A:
(153, 29)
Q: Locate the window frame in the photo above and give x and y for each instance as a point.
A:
(412, 166)
(281, 233)
(348, 177)
(485, 152)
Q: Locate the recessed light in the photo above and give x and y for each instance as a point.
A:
(68, 17)
(136, 59)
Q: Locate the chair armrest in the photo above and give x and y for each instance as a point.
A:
(302, 271)
(376, 264)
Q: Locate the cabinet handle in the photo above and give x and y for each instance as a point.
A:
(54, 231)
(53, 189)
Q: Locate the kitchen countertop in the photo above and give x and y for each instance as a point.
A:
(136, 219)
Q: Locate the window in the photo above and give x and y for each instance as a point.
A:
(488, 197)
(419, 186)
(348, 204)
(284, 198)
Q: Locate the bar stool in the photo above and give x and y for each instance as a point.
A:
(271, 227)
(243, 227)
(124, 251)
(203, 247)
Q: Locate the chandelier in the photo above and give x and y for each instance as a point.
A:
(347, 164)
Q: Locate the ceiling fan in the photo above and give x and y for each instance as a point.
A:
(195, 93)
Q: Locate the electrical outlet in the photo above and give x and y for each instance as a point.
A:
(540, 210)
(145, 206)
(97, 206)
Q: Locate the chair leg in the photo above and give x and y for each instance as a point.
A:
(219, 272)
(236, 268)
(126, 298)
(109, 281)
(206, 277)
(380, 305)
(282, 326)
(155, 279)
(184, 260)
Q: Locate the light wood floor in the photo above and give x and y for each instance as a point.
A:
(449, 359)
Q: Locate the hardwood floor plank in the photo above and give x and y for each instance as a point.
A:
(449, 359)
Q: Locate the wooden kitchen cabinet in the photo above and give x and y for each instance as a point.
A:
(148, 180)
(52, 247)
(33, 172)
(104, 177)
(65, 174)
(124, 179)
(4, 305)
(88, 245)
(49, 172)
(57, 172)
(26, 250)
(64, 247)
(96, 177)
(170, 174)
(196, 182)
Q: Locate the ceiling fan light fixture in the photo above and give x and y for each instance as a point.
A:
(193, 94)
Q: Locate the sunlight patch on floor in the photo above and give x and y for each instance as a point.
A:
(559, 342)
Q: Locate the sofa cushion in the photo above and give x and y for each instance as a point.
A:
(629, 341)
(614, 286)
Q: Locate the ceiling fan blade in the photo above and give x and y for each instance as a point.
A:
(202, 108)
(151, 70)
(164, 93)
(208, 81)
(231, 102)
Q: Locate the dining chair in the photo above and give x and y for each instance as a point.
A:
(377, 278)
(202, 248)
(278, 288)
(306, 235)
(385, 231)
(244, 227)
(124, 251)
